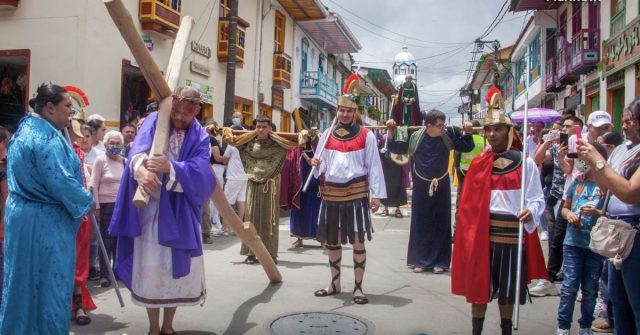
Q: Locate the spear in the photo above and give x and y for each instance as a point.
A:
(321, 146)
(522, 208)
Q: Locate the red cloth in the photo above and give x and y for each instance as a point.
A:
(291, 180)
(83, 246)
(470, 261)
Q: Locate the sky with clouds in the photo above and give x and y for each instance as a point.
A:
(439, 34)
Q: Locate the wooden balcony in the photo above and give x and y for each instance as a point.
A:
(586, 51)
(563, 65)
(281, 70)
(158, 16)
(551, 76)
(9, 4)
(319, 89)
(223, 40)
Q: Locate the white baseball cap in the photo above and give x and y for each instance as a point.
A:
(599, 118)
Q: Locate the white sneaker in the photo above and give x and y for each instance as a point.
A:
(543, 288)
(544, 236)
(562, 331)
(601, 309)
(585, 331)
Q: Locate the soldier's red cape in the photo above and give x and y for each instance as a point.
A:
(470, 263)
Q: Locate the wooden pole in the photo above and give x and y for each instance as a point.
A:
(152, 75)
(247, 233)
(415, 127)
(161, 86)
(124, 22)
(230, 84)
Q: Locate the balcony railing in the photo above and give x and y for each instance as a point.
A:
(223, 40)
(160, 17)
(320, 89)
(281, 70)
(617, 23)
(551, 75)
(563, 66)
(586, 51)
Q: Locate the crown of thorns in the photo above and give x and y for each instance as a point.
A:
(180, 97)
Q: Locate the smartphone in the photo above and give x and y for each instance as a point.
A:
(564, 139)
(573, 152)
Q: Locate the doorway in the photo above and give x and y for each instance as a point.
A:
(14, 86)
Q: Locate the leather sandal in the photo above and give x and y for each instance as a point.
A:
(81, 320)
(398, 213)
(332, 264)
(384, 213)
(251, 260)
(359, 299)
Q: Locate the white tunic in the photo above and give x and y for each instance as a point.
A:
(355, 158)
(152, 283)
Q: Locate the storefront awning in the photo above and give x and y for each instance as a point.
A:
(303, 10)
(332, 34)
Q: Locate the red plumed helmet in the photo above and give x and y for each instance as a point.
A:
(492, 92)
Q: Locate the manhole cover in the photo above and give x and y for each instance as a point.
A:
(316, 323)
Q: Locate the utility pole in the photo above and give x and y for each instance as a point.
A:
(230, 86)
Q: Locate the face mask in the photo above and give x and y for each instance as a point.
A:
(582, 166)
(235, 121)
(115, 150)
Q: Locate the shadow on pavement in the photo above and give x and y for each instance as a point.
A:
(100, 324)
(297, 265)
(238, 324)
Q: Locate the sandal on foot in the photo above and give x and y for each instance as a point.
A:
(398, 213)
(418, 269)
(332, 264)
(325, 293)
(250, 260)
(360, 300)
(384, 213)
(296, 245)
(82, 320)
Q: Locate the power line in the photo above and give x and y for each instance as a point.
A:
(385, 29)
(394, 40)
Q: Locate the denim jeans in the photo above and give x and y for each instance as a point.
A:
(624, 288)
(582, 269)
(556, 245)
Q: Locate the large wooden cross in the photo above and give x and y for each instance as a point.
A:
(163, 88)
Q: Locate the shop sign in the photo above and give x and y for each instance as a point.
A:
(200, 49)
(148, 42)
(200, 69)
(206, 91)
(277, 98)
(622, 49)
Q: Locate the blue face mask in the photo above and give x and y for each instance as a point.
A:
(235, 121)
(115, 150)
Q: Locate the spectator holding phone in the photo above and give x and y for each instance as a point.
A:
(622, 179)
(582, 267)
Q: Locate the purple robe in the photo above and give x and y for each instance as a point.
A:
(180, 212)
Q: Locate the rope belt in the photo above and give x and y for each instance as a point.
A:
(433, 183)
(270, 187)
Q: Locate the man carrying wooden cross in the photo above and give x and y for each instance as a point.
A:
(159, 255)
